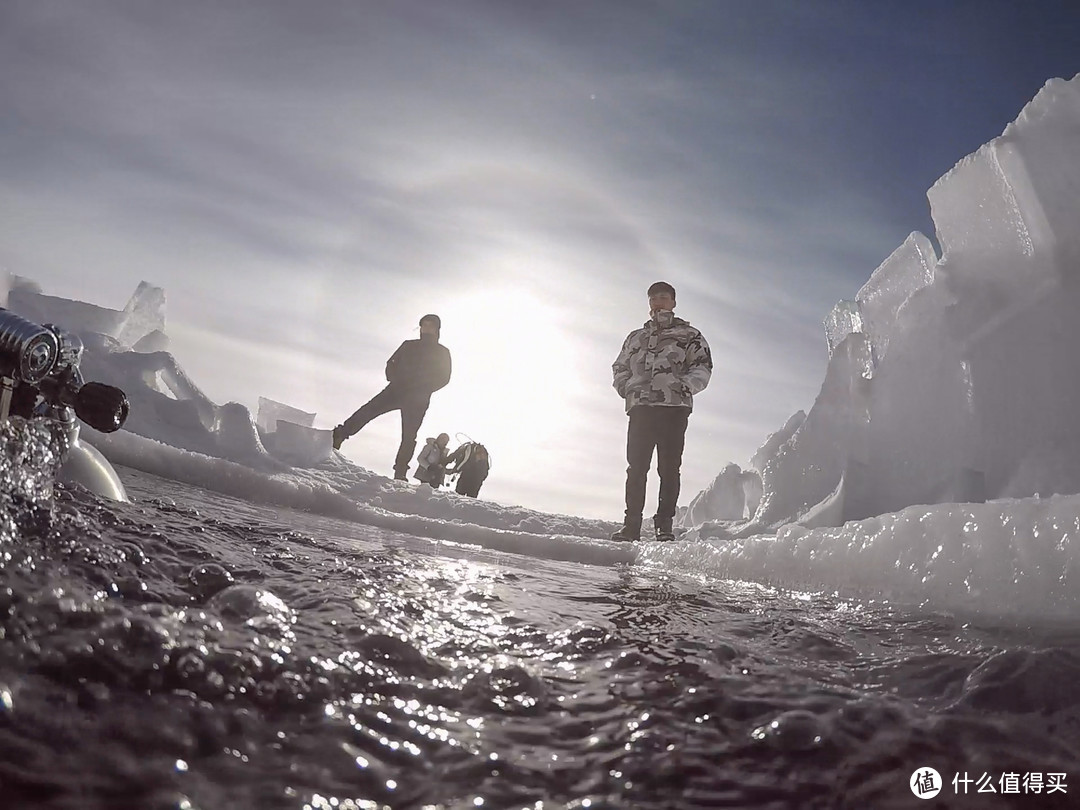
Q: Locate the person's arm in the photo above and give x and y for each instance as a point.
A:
(620, 369)
(392, 369)
(442, 370)
(698, 363)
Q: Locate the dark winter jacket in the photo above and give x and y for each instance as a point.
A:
(473, 463)
(419, 366)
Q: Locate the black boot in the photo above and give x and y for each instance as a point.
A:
(339, 436)
(664, 531)
(630, 531)
(401, 460)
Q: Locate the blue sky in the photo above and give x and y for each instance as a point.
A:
(307, 179)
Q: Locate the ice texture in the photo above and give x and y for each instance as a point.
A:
(238, 440)
(921, 434)
(299, 445)
(950, 379)
(144, 314)
(776, 440)
(723, 499)
(271, 412)
(845, 319)
(808, 466)
(128, 348)
(155, 341)
(27, 299)
(909, 268)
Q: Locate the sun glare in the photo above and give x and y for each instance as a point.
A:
(513, 363)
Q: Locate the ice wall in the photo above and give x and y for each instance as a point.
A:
(127, 348)
(951, 379)
(907, 270)
(299, 445)
(723, 499)
(808, 467)
(776, 440)
(288, 434)
(1016, 276)
(271, 412)
(144, 313)
(26, 298)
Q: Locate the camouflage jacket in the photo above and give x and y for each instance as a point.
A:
(662, 366)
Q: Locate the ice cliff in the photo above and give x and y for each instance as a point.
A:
(951, 378)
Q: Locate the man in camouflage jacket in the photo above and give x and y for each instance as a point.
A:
(660, 368)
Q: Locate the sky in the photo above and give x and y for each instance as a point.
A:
(305, 180)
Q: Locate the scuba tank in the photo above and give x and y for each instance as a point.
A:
(84, 464)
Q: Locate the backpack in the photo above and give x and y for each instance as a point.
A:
(473, 458)
(480, 459)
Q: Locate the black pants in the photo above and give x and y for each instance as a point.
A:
(662, 428)
(471, 479)
(412, 406)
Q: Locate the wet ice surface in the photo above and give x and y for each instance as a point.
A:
(189, 650)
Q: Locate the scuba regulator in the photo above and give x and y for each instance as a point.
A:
(39, 376)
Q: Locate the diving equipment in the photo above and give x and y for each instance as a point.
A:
(39, 376)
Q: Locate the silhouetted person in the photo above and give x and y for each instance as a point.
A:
(660, 368)
(416, 370)
(472, 464)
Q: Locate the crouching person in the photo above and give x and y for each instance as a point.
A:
(431, 463)
(471, 464)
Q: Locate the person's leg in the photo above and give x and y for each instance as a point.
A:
(412, 416)
(476, 480)
(381, 403)
(470, 483)
(671, 439)
(640, 443)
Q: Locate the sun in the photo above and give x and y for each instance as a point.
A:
(514, 363)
